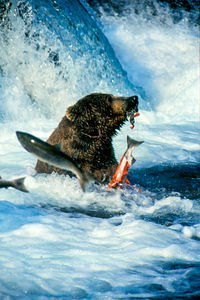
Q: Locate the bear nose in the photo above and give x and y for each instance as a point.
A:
(133, 103)
(134, 99)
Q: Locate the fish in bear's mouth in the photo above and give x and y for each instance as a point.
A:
(132, 111)
(131, 115)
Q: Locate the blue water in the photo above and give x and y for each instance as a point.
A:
(57, 242)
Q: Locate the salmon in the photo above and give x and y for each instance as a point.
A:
(120, 176)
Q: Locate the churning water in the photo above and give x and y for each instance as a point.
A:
(60, 243)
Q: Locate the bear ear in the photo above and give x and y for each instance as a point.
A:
(69, 113)
(73, 112)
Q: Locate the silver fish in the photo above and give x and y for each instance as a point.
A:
(16, 183)
(53, 156)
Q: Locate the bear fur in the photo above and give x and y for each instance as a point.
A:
(85, 134)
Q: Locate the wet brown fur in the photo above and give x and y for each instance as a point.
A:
(85, 134)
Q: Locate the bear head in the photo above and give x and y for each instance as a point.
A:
(98, 115)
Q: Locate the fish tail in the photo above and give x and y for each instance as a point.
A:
(19, 184)
(133, 143)
(84, 180)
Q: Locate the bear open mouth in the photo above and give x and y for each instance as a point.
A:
(131, 115)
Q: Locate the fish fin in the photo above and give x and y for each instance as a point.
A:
(19, 184)
(58, 146)
(133, 143)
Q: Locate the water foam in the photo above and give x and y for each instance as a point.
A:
(52, 60)
(161, 57)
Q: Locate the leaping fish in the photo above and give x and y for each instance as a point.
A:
(16, 183)
(126, 161)
(53, 156)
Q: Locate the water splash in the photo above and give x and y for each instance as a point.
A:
(55, 53)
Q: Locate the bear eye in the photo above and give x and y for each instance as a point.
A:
(110, 99)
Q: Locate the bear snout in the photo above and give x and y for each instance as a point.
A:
(122, 105)
(132, 103)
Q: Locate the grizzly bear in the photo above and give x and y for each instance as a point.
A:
(85, 134)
